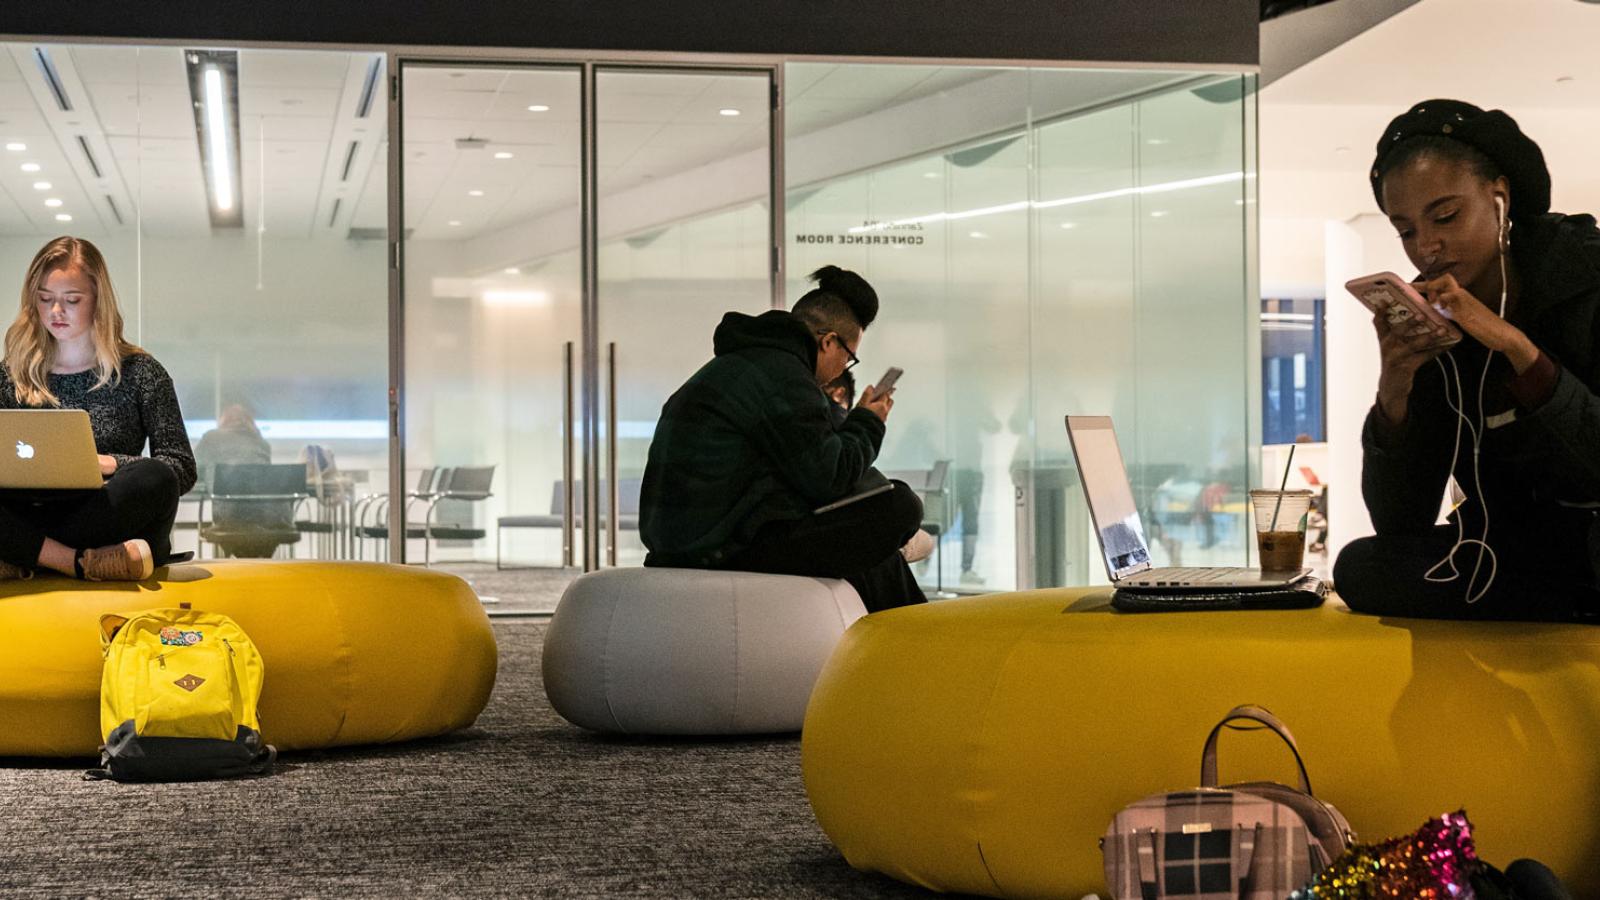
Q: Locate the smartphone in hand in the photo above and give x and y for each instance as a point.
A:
(1400, 303)
(886, 383)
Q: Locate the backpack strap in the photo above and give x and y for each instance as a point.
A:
(1208, 759)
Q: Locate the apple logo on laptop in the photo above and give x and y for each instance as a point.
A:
(24, 450)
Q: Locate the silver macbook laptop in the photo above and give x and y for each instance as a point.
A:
(47, 449)
(1121, 534)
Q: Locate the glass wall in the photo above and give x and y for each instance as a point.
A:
(1045, 243)
(242, 215)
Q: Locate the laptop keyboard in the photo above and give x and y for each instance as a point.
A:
(1193, 576)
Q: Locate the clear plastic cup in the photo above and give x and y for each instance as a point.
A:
(1281, 528)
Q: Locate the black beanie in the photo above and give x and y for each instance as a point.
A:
(1492, 133)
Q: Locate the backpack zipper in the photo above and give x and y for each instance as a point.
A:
(162, 658)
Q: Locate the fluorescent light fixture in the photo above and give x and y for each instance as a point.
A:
(512, 270)
(217, 141)
(52, 202)
(503, 155)
(41, 185)
(474, 193)
(728, 111)
(515, 298)
(1069, 225)
(977, 234)
(30, 167)
(63, 217)
(453, 222)
(214, 89)
(538, 107)
(1160, 188)
(1159, 213)
(16, 146)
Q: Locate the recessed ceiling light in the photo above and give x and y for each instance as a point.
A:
(513, 270)
(41, 185)
(1156, 142)
(504, 155)
(52, 202)
(16, 146)
(30, 167)
(538, 107)
(1156, 214)
(453, 222)
(727, 111)
(1069, 224)
(930, 174)
(474, 193)
(63, 217)
(977, 234)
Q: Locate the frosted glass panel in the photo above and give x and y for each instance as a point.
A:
(1045, 243)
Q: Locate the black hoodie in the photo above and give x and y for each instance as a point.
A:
(749, 439)
(1540, 467)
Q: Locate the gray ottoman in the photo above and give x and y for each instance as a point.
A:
(689, 651)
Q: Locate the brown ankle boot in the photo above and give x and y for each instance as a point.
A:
(127, 561)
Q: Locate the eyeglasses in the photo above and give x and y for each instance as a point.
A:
(843, 346)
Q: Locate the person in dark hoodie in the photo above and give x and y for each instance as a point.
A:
(1511, 411)
(747, 449)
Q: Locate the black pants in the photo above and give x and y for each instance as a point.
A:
(1383, 576)
(139, 501)
(859, 543)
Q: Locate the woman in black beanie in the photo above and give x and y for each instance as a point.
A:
(1511, 411)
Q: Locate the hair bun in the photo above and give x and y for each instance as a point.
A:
(852, 289)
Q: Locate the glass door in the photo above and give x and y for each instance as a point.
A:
(492, 188)
(684, 180)
(572, 236)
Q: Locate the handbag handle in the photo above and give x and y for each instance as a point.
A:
(1208, 759)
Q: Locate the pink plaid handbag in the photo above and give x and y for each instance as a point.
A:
(1254, 841)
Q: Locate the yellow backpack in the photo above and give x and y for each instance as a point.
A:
(178, 697)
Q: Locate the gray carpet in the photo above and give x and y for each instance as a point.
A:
(520, 805)
(513, 592)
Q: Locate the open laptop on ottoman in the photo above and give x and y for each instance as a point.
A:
(1127, 555)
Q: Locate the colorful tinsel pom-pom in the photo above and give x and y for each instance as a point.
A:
(1433, 863)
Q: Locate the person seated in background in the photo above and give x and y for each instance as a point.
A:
(1514, 416)
(746, 450)
(842, 392)
(65, 350)
(237, 440)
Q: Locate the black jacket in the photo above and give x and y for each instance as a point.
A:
(749, 439)
(1540, 469)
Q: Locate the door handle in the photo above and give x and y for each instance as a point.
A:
(567, 437)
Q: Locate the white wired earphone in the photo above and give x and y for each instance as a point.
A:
(1454, 373)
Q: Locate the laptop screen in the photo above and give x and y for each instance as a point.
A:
(1105, 483)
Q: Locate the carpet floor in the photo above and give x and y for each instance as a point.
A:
(522, 804)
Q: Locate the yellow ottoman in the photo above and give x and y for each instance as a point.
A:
(983, 745)
(355, 653)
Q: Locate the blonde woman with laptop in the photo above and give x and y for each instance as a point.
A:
(65, 350)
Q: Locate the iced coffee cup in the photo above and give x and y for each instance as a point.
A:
(1281, 528)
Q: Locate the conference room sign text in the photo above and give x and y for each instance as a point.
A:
(875, 236)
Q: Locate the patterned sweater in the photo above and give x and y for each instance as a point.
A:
(142, 407)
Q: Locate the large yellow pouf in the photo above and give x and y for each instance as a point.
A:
(355, 653)
(983, 745)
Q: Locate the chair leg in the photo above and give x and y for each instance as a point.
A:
(938, 564)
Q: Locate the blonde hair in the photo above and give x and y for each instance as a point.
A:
(31, 349)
